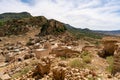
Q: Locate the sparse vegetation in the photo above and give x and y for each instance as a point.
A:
(110, 62)
(63, 58)
(76, 63)
(86, 56)
(82, 33)
(1, 23)
(22, 72)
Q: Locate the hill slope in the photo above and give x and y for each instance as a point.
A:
(81, 33)
(21, 26)
(20, 23)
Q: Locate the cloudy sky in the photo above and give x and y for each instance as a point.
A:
(92, 14)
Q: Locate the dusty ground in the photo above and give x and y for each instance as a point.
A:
(94, 67)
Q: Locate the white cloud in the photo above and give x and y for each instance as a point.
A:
(93, 14)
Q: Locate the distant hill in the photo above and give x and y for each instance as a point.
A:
(114, 32)
(81, 33)
(10, 16)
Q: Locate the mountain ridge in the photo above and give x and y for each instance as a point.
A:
(111, 32)
(12, 15)
(22, 24)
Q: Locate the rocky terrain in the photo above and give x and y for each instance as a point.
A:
(40, 49)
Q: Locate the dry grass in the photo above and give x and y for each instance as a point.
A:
(21, 72)
(110, 62)
(76, 63)
(87, 57)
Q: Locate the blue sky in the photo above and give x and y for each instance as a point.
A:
(26, 1)
(92, 14)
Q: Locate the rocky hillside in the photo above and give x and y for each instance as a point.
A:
(53, 27)
(21, 26)
(20, 23)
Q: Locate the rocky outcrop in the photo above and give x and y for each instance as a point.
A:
(52, 27)
(109, 48)
(116, 64)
